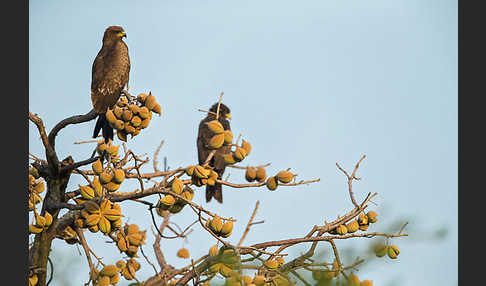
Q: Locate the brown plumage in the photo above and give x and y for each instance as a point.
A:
(109, 75)
(217, 161)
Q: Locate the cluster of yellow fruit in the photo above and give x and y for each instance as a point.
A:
(33, 279)
(131, 116)
(219, 228)
(41, 223)
(129, 239)
(128, 268)
(109, 275)
(353, 280)
(239, 154)
(201, 176)
(104, 216)
(227, 261)
(392, 251)
(109, 147)
(259, 174)
(183, 253)
(284, 177)
(36, 186)
(220, 136)
(172, 203)
(361, 223)
(274, 263)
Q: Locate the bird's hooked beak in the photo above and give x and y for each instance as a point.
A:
(122, 34)
(228, 116)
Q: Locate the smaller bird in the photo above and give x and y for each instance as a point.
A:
(109, 75)
(203, 151)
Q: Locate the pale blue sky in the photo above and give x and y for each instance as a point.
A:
(309, 84)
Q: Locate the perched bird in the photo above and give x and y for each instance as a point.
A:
(109, 75)
(203, 151)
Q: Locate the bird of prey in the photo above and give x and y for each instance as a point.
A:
(109, 75)
(203, 151)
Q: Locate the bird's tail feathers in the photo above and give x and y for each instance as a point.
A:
(214, 191)
(103, 125)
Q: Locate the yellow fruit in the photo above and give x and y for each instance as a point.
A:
(122, 135)
(216, 225)
(98, 190)
(34, 229)
(372, 216)
(122, 101)
(366, 283)
(157, 109)
(341, 229)
(101, 147)
(109, 270)
(381, 250)
(131, 228)
(239, 154)
(183, 253)
(167, 200)
(92, 207)
(272, 183)
(177, 185)
(188, 195)
(285, 176)
(228, 137)
(115, 279)
(145, 123)
(247, 146)
(112, 214)
(135, 238)
(48, 218)
(216, 141)
(190, 170)
(144, 113)
(364, 227)
(119, 125)
(229, 159)
(134, 108)
(113, 150)
(271, 264)
(352, 226)
(202, 172)
(129, 129)
(393, 251)
(213, 251)
(93, 219)
(280, 261)
(111, 186)
(121, 264)
(106, 176)
(118, 111)
(150, 101)
(250, 174)
(118, 176)
(227, 228)
(104, 225)
(86, 192)
(110, 116)
(215, 126)
(127, 115)
(103, 281)
(97, 167)
(261, 174)
(122, 244)
(141, 97)
(362, 219)
(259, 280)
(136, 121)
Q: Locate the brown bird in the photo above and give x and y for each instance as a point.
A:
(109, 75)
(203, 151)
